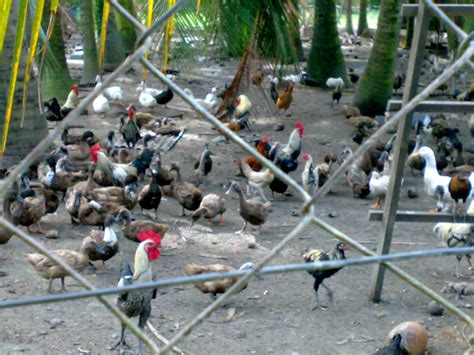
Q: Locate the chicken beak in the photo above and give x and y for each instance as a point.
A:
(415, 155)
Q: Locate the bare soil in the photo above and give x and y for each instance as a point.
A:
(273, 315)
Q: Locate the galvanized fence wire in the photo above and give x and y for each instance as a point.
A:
(268, 270)
(144, 44)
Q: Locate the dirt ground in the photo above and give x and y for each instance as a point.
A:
(273, 315)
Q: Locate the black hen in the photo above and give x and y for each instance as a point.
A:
(336, 95)
(53, 112)
(338, 253)
(164, 97)
(397, 82)
(143, 161)
(394, 348)
(273, 92)
(150, 196)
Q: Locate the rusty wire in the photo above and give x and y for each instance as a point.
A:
(144, 44)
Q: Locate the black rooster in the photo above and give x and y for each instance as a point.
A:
(129, 129)
(338, 253)
(53, 111)
(336, 95)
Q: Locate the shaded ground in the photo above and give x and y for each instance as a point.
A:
(273, 315)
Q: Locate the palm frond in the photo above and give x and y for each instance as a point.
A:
(4, 22)
(103, 34)
(20, 33)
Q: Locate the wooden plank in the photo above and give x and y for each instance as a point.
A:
(415, 63)
(436, 106)
(419, 217)
(410, 10)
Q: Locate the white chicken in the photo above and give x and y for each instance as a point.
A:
(257, 180)
(112, 93)
(142, 87)
(378, 185)
(146, 100)
(209, 103)
(101, 105)
(456, 235)
(436, 185)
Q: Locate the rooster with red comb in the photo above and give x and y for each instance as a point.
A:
(138, 303)
(287, 158)
(72, 100)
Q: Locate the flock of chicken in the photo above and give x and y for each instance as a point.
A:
(98, 182)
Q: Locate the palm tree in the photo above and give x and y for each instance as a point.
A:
(125, 28)
(91, 59)
(20, 140)
(376, 85)
(362, 25)
(348, 12)
(114, 53)
(325, 58)
(55, 77)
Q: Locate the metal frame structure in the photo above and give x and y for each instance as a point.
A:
(425, 10)
(409, 104)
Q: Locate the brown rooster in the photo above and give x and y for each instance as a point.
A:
(284, 99)
(261, 147)
(460, 188)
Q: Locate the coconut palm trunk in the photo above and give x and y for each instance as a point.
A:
(114, 53)
(348, 12)
(376, 85)
(125, 27)
(325, 58)
(55, 78)
(362, 26)
(91, 59)
(20, 140)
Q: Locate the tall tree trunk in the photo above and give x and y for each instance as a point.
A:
(91, 59)
(114, 53)
(55, 78)
(294, 31)
(20, 140)
(348, 12)
(325, 58)
(125, 28)
(362, 26)
(376, 85)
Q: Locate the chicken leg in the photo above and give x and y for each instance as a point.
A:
(378, 204)
(316, 288)
(122, 341)
(243, 229)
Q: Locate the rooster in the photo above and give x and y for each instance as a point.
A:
(257, 180)
(242, 106)
(118, 172)
(138, 303)
(286, 158)
(72, 101)
(311, 256)
(53, 112)
(130, 130)
(460, 188)
(262, 147)
(456, 235)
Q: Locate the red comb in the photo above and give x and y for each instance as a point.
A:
(93, 152)
(74, 87)
(149, 235)
(266, 138)
(305, 155)
(299, 125)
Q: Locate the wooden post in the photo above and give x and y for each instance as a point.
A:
(401, 148)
